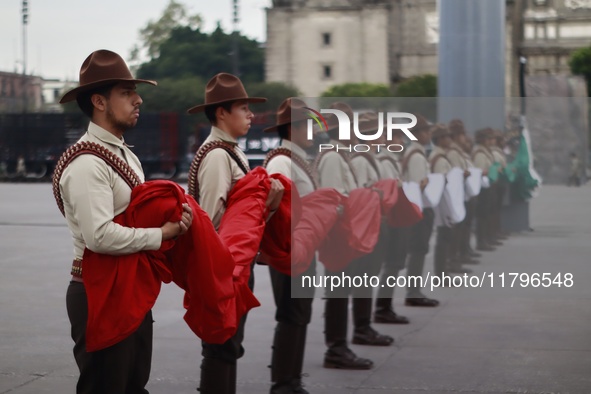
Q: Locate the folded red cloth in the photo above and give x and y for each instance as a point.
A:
(290, 247)
(356, 232)
(122, 289)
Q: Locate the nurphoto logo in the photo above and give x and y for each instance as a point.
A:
(344, 127)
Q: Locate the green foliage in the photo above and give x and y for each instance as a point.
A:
(275, 92)
(155, 33)
(358, 90)
(580, 64)
(189, 52)
(418, 86)
(172, 95)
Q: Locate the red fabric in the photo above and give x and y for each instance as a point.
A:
(122, 289)
(388, 189)
(355, 233)
(290, 247)
(404, 213)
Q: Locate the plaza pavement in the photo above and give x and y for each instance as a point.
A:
(486, 340)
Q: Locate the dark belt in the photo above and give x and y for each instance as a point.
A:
(77, 268)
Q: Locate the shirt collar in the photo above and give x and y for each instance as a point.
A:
(103, 135)
(220, 134)
(294, 148)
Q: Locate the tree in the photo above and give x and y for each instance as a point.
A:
(189, 52)
(275, 92)
(418, 86)
(358, 90)
(580, 64)
(157, 32)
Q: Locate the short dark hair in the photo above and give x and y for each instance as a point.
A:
(283, 131)
(211, 110)
(84, 99)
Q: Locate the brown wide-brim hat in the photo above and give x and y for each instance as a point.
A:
(101, 68)
(290, 111)
(422, 124)
(368, 122)
(456, 127)
(332, 120)
(224, 88)
(439, 130)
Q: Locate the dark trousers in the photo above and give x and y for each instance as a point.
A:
(218, 368)
(395, 252)
(483, 217)
(293, 313)
(465, 227)
(443, 243)
(123, 368)
(418, 243)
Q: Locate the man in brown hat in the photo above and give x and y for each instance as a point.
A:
(294, 311)
(444, 259)
(335, 171)
(483, 159)
(416, 168)
(218, 165)
(458, 156)
(93, 192)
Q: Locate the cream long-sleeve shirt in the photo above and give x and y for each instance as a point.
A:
(457, 157)
(283, 165)
(442, 165)
(499, 156)
(93, 194)
(217, 175)
(365, 173)
(335, 172)
(418, 167)
(482, 157)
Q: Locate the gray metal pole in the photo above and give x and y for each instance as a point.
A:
(472, 62)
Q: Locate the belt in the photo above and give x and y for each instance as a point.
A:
(77, 268)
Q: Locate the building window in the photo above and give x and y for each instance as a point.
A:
(326, 39)
(326, 72)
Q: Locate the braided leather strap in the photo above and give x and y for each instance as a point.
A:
(436, 158)
(193, 182)
(91, 148)
(372, 161)
(300, 162)
(345, 157)
(391, 160)
(407, 159)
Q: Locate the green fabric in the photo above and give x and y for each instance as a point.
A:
(493, 172)
(523, 183)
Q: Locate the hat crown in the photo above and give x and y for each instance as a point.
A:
(101, 65)
(291, 108)
(224, 86)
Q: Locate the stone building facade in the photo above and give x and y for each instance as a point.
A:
(313, 44)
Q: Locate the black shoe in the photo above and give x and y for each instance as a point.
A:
(369, 336)
(428, 302)
(294, 386)
(388, 316)
(496, 242)
(460, 270)
(474, 254)
(468, 260)
(486, 248)
(345, 359)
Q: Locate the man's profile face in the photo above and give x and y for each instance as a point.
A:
(122, 106)
(238, 120)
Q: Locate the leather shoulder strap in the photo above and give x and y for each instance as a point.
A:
(300, 162)
(344, 156)
(436, 158)
(193, 181)
(391, 160)
(407, 159)
(372, 161)
(91, 148)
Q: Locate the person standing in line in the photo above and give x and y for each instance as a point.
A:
(293, 302)
(416, 168)
(575, 170)
(93, 193)
(458, 156)
(220, 164)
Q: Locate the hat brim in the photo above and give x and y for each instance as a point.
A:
(72, 94)
(274, 128)
(201, 107)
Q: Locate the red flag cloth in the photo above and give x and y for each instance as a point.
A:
(122, 289)
(388, 189)
(290, 249)
(356, 232)
(404, 213)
